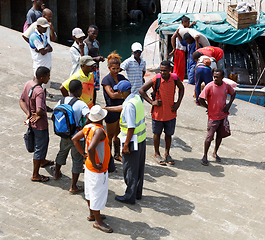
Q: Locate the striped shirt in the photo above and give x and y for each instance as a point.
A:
(134, 72)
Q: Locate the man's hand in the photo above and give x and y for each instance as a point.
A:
(193, 23)
(81, 44)
(175, 107)
(226, 108)
(51, 26)
(98, 166)
(125, 149)
(99, 59)
(34, 118)
(197, 37)
(171, 53)
(157, 103)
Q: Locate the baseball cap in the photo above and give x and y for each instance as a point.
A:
(123, 86)
(43, 22)
(78, 33)
(87, 60)
(136, 46)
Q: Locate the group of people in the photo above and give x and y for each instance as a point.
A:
(124, 112)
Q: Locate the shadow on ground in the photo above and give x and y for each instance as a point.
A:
(136, 230)
(163, 202)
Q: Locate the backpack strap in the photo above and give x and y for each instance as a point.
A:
(76, 48)
(62, 100)
(72, 101)
(157, 85)
(30, 95)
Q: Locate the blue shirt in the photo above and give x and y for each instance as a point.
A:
(129, 113)
(191, 49)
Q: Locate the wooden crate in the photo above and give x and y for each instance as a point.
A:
(241, 20)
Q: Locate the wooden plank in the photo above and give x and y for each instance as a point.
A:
(203, 6)
(178, 6)
(209, 6)
(171, 6)
(215, 6)
(164, 5)
(184, 6)
(221, 6)
(191, 6)
(197, 7)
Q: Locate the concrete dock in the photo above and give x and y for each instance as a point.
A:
(185, 201)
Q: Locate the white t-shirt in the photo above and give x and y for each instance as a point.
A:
(37, 57)
(178, 44)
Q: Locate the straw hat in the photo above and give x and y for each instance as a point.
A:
(97, 113)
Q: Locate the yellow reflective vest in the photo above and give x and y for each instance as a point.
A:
(139, 120)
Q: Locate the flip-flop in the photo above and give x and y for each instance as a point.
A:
(80, 189)
(49, 163)
(204, 162)
(169, 160)
(106, 228)
(90, 219)
(216, 157)
(42, 179)
(160, 161)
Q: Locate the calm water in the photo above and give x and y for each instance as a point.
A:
(120, 38)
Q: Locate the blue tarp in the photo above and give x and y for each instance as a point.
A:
(221, 31)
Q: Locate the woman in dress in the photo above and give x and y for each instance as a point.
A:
(113, 98)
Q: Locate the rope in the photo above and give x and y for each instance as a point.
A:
(256, 85)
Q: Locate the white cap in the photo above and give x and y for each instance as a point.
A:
(97, 113)
(137, 46)
(43, 22)
(78, 33)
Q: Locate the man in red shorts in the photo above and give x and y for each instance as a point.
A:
(215, 93)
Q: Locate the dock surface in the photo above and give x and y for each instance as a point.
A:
(186, 201)
(202, 6)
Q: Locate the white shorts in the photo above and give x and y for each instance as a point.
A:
(96, 189)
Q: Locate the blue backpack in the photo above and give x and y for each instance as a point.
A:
(64, 119)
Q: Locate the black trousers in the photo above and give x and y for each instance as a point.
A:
(133, 172)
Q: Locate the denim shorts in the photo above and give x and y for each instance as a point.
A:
(168, 126)
(41, 138)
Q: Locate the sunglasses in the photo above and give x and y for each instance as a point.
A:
(137, 51)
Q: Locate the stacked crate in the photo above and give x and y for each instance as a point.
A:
(241, 20)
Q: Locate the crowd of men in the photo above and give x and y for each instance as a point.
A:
(80, 90)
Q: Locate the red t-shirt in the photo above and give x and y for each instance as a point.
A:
(167, 91)
(37, 100)
(216, 99)
(211, 51)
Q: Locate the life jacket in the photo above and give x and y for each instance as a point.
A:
(88, 131)
(139, 130)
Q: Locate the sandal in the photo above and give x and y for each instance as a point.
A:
(42, 179)
(48, 163)
(93, 218)
(204, 162)
(169, 160)
(160, 161)
(217, 158)
(78, 190)
(105, 228)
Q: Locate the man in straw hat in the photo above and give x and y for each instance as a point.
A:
(96, 166)
(132, 123)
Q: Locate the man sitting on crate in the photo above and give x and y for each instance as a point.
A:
(79, 109)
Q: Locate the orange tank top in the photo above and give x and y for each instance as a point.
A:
(104, 151)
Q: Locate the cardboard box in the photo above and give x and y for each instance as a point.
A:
(241, 20)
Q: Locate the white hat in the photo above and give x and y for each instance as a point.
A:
(78, 33)
(97, 113)
(43, 22)
(137, 46)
